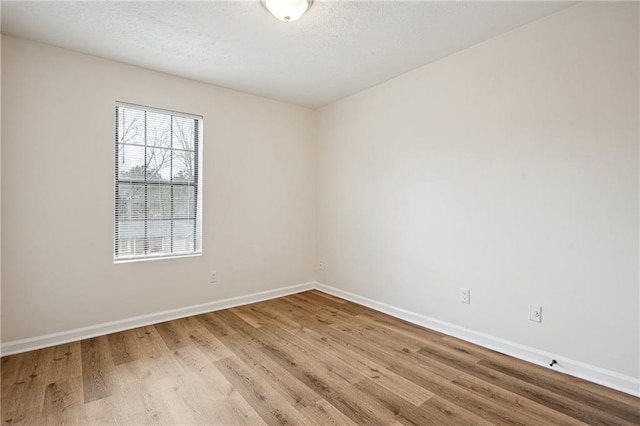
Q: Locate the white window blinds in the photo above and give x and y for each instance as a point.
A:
(157, 190)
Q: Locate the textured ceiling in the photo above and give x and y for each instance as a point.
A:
(338, 48)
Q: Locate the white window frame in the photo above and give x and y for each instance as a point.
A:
(147, 253)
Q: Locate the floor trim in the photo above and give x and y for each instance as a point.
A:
(38, 342)
(604, 377)
(601, 376)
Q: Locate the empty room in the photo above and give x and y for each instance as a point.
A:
(320, 212)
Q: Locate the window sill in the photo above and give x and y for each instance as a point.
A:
(149, 258)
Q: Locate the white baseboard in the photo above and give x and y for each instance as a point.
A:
(601, 376)
(604, 377)
(53, 339)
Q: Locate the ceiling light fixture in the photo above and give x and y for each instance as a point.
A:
(287, 10)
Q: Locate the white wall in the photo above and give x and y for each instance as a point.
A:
(510, 168)
(57, 193)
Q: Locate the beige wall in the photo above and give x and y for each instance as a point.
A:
(57, 193)
(510, 168)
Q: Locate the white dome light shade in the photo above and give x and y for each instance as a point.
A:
(287, 10)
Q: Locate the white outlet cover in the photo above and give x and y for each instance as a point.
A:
(465, 295)
(535, 313)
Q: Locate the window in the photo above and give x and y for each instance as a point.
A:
(157, 189)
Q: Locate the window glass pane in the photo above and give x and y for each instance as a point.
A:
(130, 201)
(159, 245)
(183, 166)
(130, 246)
(183, 133)
(183, 202)
(158, 129)
(131, 128)
(183, 235)
(131, 162)
(159, 228)
(159, 164)
(131, 228)
(158, 201)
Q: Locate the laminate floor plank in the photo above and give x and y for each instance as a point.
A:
(141, 403)
(401, 326)
(344, 307)
(280, 341)
(23, 389)
(272, 407)
(240, 326)
(480, 406)
(350, 400)
(103, 411)
(9, 367)
(64, 363)
(331, 363)
(527, 409)
(532, 376)
(322, 315)
(121, 345)
(207, 393)
(323, 311)
(294, 391)
(610, 396)
(443, 412)
(388, 353)
(580, 410)
(215, 325)
(63, 402)
(322, 413)
(174, 334)
(97, 368)
(403, 411)
(249, 316)
(381, 335)
(210, 346)
(274, 316)
(288, 309)
(342, 396)
(303, 359)
(150, 367)
(148, 342)
(368, 368)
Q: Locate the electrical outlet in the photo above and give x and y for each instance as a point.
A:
(321, 265)
(213, 277)
(535, 313)
(465, 295)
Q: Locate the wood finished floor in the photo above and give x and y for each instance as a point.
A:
(303, 359)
